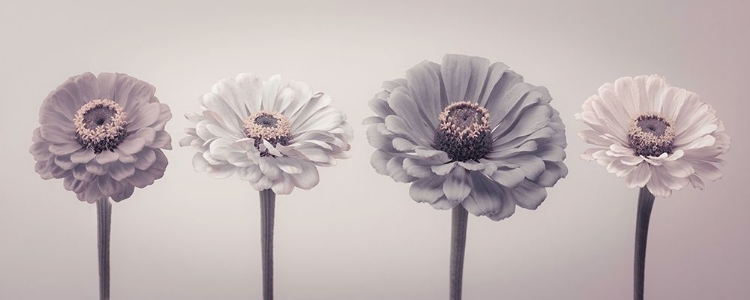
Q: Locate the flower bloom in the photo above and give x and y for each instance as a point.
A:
(103, 135)
(468, 132)
(653, 134)
(271, 134)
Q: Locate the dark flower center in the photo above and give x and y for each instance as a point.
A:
(100, 125)
(464, 131)
(266, 120)
(267, 125)
(651, 135)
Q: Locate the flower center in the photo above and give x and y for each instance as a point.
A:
(651, 135)
(267, 125)
(464, 132)
(100, 125)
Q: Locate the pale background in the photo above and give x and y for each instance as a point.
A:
(358, 235)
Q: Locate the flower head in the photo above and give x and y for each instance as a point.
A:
(653, 134)
(272, 135)
(467, 132)
(103, 135)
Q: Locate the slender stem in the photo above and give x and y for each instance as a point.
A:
(267, 205)
(645, 205)
(104, 224)
(458, 249)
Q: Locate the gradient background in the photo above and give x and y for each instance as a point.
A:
(358, 235)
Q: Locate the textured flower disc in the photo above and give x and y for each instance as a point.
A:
(653, 135)
(100, 125)
(103, 135)
(269, 134)
(467, 132)
(270, 126)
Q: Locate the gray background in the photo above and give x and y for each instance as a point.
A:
(357, 235)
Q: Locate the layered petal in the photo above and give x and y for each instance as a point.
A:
(526, 134)
(318, 134)
(697, 143)
(111, 173)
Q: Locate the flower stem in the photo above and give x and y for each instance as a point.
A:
(645, 205)
(104, 224)
(267, 205)
(458, 249)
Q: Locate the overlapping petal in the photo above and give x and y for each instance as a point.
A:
(136, 162)
(528, 137)
(698, 143)
(319, 135)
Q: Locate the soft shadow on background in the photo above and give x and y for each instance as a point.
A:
(358, 235)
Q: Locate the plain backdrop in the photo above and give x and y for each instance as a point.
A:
(358, 235)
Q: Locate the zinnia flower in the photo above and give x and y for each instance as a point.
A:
(660, 138)
(103, 135)
(269, 134)
(469, 136)
(654, 135)
(468, 132)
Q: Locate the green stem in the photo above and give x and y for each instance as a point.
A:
(104, 224)
(267, 206)
(645, 205)
(458, 249)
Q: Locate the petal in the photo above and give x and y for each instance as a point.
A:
(443, 169)
(457, 186)
(283, 186)
(145, 159)
(444, 204)
(464, 77)
(199, 163)
(416, 168)
(485, 198)
(639, 176)
(106, 157)
(428, 189)
(251, 90)
(82, 173)
(94, 168)
(56, 134)
(308, 178)
(162, 140)
(120, 171)
(270, 90)
(529, 195)
(107, 186)
(495, 74)
(509, 207)
(64, 149)
(83, 156)
(379, 161)
(395, 169)
(509, 177)
(425, 84)
(229, 91)
(144, 115)
(221, 171)
(406, 108)
(131, 145)
(269, 168)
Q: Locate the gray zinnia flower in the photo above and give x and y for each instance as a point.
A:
(103, 135)
(468, 132)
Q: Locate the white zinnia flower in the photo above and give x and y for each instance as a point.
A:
(653, 134)
(271, 134)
